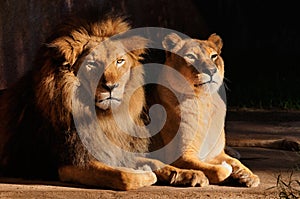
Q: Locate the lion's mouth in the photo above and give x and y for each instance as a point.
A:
(109, 99)
(108, 103)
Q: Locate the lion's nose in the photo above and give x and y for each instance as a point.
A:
(109, 87)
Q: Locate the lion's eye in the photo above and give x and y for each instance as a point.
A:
(120, 62)
(90, 65)
(191, 56)
(214, 56)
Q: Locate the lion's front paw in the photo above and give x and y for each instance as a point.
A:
(246, 178)
(134, 179)
(189, 177)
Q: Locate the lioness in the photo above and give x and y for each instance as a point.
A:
(193, 136)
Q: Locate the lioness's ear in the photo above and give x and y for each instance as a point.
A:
(135, 44)
(170, 41)
(216, 39)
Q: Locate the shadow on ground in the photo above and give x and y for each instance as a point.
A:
(268, 164)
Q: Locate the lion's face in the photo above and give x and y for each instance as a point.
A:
(199, 61)
(110, 90)
(107, 70)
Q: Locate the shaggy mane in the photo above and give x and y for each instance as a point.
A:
(38, 134)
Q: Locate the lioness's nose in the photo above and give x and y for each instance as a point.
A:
(209, 71)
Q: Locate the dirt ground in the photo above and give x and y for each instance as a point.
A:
(268, 164)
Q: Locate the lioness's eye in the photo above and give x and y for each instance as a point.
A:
(190, 56)
(120, 62)
(214, 57)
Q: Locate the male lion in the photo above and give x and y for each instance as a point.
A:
(193, 136)
(48, 129)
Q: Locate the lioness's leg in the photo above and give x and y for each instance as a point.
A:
(173, 175)
(239, 171)
(215, 173)
(101, 175)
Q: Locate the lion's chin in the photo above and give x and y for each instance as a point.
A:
(108, 104)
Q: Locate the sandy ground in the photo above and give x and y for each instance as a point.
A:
(268, 164)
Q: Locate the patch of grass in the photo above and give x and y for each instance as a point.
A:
(288, 188)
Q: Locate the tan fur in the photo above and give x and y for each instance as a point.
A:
(39, 138)
(193, 136)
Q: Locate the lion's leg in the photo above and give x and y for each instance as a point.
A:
(215, 173)
(175, 176)
(101, 175)
(239, 171)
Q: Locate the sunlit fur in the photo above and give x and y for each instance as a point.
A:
(193, 135)
(65, 121)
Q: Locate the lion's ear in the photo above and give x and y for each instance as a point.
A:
(216, 39)
(135, 44)
(170, 41)
(67, 49)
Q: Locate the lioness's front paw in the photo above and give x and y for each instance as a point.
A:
(189, 177)
(253, 181)
(219, 173)
(246, 178)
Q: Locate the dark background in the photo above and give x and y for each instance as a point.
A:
(261, 50)
(261, 41)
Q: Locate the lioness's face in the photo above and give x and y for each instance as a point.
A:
(108, 69)
(199, 61)
(203, 65)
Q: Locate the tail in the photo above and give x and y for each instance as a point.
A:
(289, 144)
